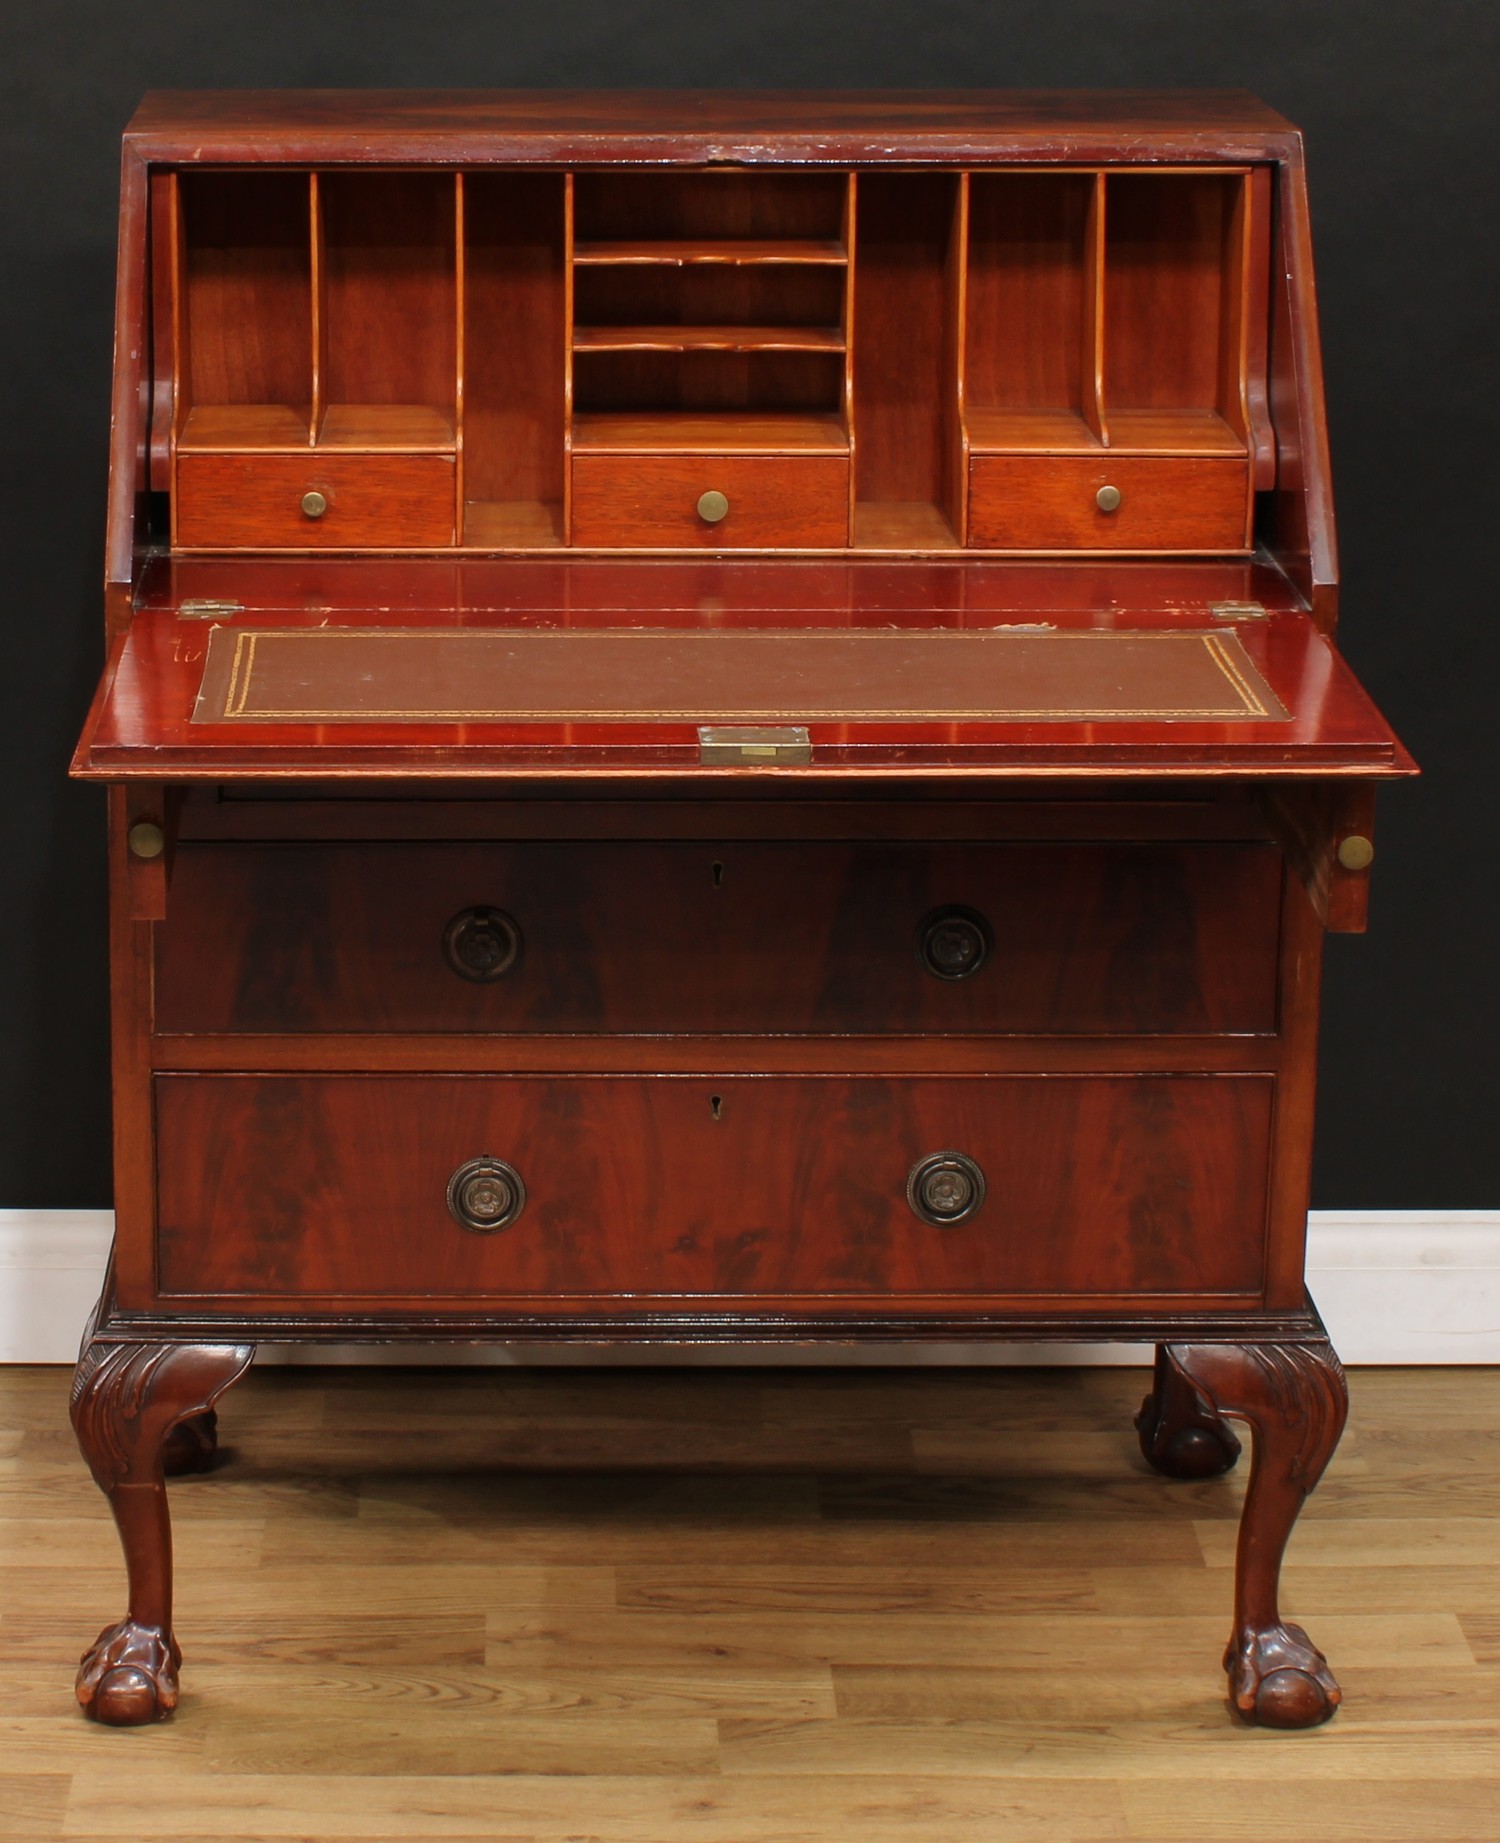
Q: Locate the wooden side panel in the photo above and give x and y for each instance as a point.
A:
(1098, 1189)
(736, 936)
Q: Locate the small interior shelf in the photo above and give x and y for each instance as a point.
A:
(1043, 431)
(244, 428)
(512, 524)
(672, 253)
(733, 432)
(399, 428)
(902, 525)
(707, 339)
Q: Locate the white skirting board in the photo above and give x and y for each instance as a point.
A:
(1394, 1286)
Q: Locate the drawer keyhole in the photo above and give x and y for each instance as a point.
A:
(716, 1106)
(717, 870)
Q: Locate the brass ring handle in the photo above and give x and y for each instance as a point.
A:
(1108, 498)
(713, 506)
(481, 944)
(945, 1188)
(485, 1194)
(953, 943)
(314, 504)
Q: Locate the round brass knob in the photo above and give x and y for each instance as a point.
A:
(953, 943)
(314, 504)
(712, 507)
(945, 1187)
(1108, 499)
(485, 1194)
(481, 943)
(1356, 852)
(146, 840)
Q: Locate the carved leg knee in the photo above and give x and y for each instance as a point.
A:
(1296, 1401)
(128, 1400)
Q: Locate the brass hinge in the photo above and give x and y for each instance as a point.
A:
(204, 610)
(1237, 611)
(720, 747)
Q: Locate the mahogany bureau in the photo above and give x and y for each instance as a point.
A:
(722, 723)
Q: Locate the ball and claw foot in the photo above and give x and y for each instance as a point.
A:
(1278, 1678)
(1182, 1434)
(129, 1675)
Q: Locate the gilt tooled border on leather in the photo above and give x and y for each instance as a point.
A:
(236, 670)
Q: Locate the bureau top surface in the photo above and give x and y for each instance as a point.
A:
(194, 126)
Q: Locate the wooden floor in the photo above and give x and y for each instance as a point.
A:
(752, 1607)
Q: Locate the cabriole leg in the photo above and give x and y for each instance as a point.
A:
(1295, 1400)
(128, 1400)
(1183, 1435)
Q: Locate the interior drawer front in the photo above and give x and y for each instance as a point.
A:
(1105, 938)
(681, 1189)
(774, 501)
(373, 502)
(1030, 502)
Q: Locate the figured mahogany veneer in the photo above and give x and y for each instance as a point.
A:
(722, 936)
(471, 456)
(1098, 1190)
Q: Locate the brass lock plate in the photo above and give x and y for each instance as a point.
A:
(752, 747)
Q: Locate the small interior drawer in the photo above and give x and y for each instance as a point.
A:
(1181, 503)
(787, 501)
(369, 501)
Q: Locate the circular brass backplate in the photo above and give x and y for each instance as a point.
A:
(953, 943)
(485, 1194)
(1356, 852)
(945, 1187)
(712, 507)
(481, 943)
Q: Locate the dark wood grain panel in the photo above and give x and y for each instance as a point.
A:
(731, 1189)
(790, 500)
(705, 938)
(375, 501)
(1034, 502)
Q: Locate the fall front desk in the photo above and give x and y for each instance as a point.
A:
(721, 724)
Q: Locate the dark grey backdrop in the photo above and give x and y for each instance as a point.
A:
(1398, 102)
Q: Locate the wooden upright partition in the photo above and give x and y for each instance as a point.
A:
(726, 733)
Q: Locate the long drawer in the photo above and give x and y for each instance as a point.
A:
(688, 1189)
(833, 937)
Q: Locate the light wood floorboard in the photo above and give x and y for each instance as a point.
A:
(620, 1606)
